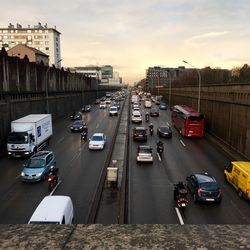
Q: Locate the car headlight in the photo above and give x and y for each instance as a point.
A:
(71, 127)
(39, 174)
(22, 174)
(80, 127)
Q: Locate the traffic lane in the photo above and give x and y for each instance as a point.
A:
(199, 156)
(81, 177)
(150, 192)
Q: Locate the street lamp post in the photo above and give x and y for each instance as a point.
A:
(199, 90)
(46, 87)
(169, 91)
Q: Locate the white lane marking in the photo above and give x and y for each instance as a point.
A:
(179, 216)
(167, 124)
(97, 125)
(18, 176)
(56, 186)
(159, 156)
(60, 140)
(183, 144)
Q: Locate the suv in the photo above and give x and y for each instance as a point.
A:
(204, 187)
(136, 117)
(140, 134)
(38, 166)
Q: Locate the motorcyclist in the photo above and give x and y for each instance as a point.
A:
(147, 117)
(180, 190)
(84, 132)
(151, 127)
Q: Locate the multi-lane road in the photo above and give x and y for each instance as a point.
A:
(150, 186)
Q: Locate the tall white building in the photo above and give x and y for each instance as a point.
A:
(39, 37)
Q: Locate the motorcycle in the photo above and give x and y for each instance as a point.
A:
(53, 178)
(151, 130)
(180, 195)
(147, 118)
(84, 136)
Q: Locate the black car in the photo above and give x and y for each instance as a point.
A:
(77, 126)
(154, 112)
(204, 187)
(76, 116)
(86, 108)
(140, 134)
(164, 131)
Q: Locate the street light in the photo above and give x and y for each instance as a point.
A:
(46, 87)
(199, 91)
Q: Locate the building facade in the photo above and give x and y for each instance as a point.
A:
(91, 71)
(39, 37)
(107, 73)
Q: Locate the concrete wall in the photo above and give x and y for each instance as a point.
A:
(226, 109)
(23, 91)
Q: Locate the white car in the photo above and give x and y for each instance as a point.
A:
(97, 141)
(103, 105)
(144, 154)
(136, 117)
(113, 110)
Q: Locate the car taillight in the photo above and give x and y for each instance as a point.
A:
(199, 192)
(50, 179)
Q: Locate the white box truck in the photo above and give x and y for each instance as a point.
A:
(29, 134)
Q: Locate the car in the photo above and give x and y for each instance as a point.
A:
(154, 112)
(163, 106)
(204, 187)
(38, 166)
(76, 116)
(164, 131)
(144, 154)
(136, 117)
(113, 110)
(77, 126)
(97, 101)
(116, 104)
(97, 141)
(86, 108)
(108, 101)
(140, 134)
(103, 105)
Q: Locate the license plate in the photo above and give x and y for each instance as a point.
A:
(209, 199)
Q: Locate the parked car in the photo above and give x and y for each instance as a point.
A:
(113, 110)
(86, 108)
(77, 126)
(136, 117)
(144, 154)
(154, 112)
(163, 106)
(204, 187)
(140, 134)
(164, 131)
(53, 209)
(38, 166)
(97, 141)
(103, 105)
(76, 116)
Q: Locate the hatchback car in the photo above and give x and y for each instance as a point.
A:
(136, 117)
(77, 126)
(163, 106)
(144, 154)
(86, 108)
(164, 131)
(154, 112)
(140, 134)
(76, 116)
(38, 166)
(103, 105)
(204, 187)
(97, 141)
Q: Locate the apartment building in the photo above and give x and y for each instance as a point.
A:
(39, 37)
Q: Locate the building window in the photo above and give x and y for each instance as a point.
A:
(5, 31)
(28, 31)
(30, 43)
(46, 48)
(46, 42)
(46, 37)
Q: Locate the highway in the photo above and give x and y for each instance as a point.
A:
(150, 186)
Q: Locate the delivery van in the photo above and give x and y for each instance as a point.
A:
(55, 209)
(238, 174)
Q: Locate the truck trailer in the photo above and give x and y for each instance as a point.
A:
(29, 134)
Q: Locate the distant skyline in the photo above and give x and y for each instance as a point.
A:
(134, 35)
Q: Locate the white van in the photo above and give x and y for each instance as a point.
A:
(57, 209)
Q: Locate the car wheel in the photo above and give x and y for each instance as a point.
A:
(194, 198)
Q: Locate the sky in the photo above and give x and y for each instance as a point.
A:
(132, 35)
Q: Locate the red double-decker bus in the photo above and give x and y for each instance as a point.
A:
(187, 121)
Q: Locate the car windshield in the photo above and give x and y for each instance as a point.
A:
(97, 138)
(165, 129)
(145, 150)
(35, 163)
(18, 138)
(77, 123)
(210, 186)
(113, 109)
(196, 117)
